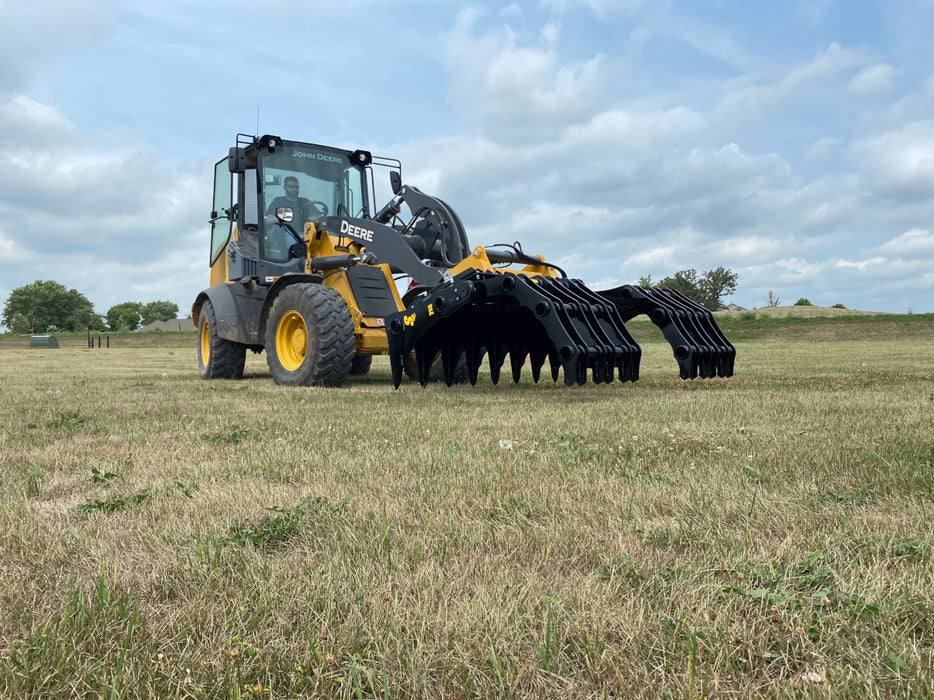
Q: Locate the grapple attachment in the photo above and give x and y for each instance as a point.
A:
(536, 318)
(699, 345)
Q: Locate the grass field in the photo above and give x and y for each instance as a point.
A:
(769, 534)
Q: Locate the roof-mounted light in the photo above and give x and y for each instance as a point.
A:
(361, 158)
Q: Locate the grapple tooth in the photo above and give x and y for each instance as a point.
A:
(496, 355)
(516, 360)
(474, 356)
(450, 356)
(555, 365)
(423, 359)
(536, 360)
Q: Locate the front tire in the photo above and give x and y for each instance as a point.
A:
(218, 358)
(309, 337)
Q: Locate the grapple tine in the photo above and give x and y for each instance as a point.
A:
(496, 354)
(555, 365)
(423, 359)
(537, 358)
(724, 352)
(450, 356)
(699, 345)
(474, 357)
(517, 357)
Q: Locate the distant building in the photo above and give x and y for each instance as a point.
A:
(733, 307)
(176, 324)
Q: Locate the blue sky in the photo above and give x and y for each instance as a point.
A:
(792, 142)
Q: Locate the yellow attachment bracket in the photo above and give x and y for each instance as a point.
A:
(478, 260)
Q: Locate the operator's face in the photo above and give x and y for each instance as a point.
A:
(291, 190)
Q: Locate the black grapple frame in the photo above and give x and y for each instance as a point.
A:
(480, 313)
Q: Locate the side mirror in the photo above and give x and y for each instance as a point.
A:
(297, 250)
(395, 181)
(284, 214)
(236, 160)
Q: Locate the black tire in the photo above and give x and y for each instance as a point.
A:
(218, 358)
(309, 337)
(361, 364)
(436, 372)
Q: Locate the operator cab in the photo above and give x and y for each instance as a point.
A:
(267, 189)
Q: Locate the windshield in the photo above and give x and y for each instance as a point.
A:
(312, 181)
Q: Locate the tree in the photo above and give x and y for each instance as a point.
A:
(125, 316)
(773, 300)
(716, 284)
(645, 281)
(803, 302)
(158, 311)
(707, 290)
(45, 306)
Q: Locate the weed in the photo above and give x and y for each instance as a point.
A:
(235, 436)
(32, 477)
(99, 477)
(913, 547)
(115, 503)
(66, 421)
(274, 530)
(861, 496)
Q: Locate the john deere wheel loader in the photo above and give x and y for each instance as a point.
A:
(304, 267)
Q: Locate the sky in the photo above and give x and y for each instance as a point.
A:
(791, 142)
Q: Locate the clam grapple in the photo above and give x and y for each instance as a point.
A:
(304, 268)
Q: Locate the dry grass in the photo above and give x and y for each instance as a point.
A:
(797, 312)
(764, 535)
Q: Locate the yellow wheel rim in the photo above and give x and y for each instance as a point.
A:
(291, 340)
(205, 343)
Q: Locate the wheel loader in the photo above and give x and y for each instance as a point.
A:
(304, 267)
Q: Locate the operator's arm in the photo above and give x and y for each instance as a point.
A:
(271, 211)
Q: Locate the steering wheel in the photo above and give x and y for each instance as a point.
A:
(320, 206)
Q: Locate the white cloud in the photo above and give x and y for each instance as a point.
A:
(511, 92)
(751, 96)
(914, 243)
(873, 80)
(899, 163)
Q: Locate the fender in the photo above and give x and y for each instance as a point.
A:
(241, 309)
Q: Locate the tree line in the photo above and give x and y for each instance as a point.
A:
(46, 306)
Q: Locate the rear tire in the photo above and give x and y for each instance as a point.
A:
(436, 371)
(361, 364)
(309, 337)
(218, 358)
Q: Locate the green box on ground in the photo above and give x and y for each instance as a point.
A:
(43, 341)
